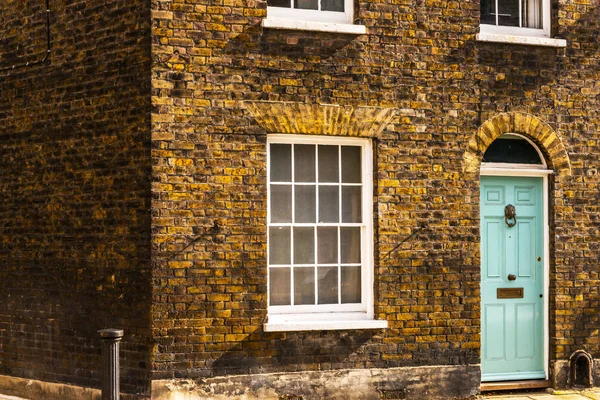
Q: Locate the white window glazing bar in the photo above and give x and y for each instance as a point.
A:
(497, 12)
(317, 216)
(293, 172)
(339, 235)
(520, 13)
(318, 224)
(312, 265)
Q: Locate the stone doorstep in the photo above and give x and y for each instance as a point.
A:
(592, 394)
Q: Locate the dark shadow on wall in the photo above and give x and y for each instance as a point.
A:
(517, 78)
(296, 351)
(305, 66)
(23, 29)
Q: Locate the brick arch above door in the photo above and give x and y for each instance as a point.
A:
(526, 124)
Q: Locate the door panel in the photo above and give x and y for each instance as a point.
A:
(526, 344)
(512, 328)
(493, 255)
(495, 324)
(525, 236)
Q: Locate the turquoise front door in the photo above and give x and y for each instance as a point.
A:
(512, 287)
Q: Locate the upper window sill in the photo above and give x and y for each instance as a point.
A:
(524, 40)
(324, 325)
(335, 27)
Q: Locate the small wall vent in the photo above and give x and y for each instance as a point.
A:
(580, 369)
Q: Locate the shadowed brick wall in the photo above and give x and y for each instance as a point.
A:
(74, 188)
(421, 58)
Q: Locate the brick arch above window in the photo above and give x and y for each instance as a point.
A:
(526, 124)
(320, 119)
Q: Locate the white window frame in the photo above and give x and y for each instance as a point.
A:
(313, 15)
(333, 316)
(314, 20)
(519, 35)
(520, 31)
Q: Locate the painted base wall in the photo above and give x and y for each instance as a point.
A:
(410, 383)
(418, 383)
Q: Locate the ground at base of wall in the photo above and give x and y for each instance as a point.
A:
(408, 383)
(13, 388)
(418, 383)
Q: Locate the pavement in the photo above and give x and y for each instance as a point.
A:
(591, 394)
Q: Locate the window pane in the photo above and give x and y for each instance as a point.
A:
(279, 3)
(279, 245)
(329, 204)
(488, 12)
(281, 163)
(351, 204)
(332, 5)
(307, 4)
(328, 285)
(279, 286)
(281, 203)
(508, 12)
(328, 164)
(327, 242)
(512, 150)
(306, 205)
(351, 164)
(532, 13)
(304, 245)
(304, 285)
(350, 245)
(351, 284)
(304, 163)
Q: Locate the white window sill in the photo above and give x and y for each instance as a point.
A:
(324, 325)
(525, 40)
(335, 27)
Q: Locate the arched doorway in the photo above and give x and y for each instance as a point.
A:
(514, 260)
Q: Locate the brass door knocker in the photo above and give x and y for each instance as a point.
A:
(510, 213)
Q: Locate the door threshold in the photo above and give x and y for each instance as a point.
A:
(515, 385)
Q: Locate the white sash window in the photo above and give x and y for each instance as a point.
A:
(320, 257)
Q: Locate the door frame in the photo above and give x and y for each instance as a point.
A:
(520, 170)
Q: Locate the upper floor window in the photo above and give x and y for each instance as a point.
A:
(337, 11)
(516, 17)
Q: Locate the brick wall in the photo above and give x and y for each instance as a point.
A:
(575, 289)
(78, 148)
(74, 209)
(209, 190)
(210, 183)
